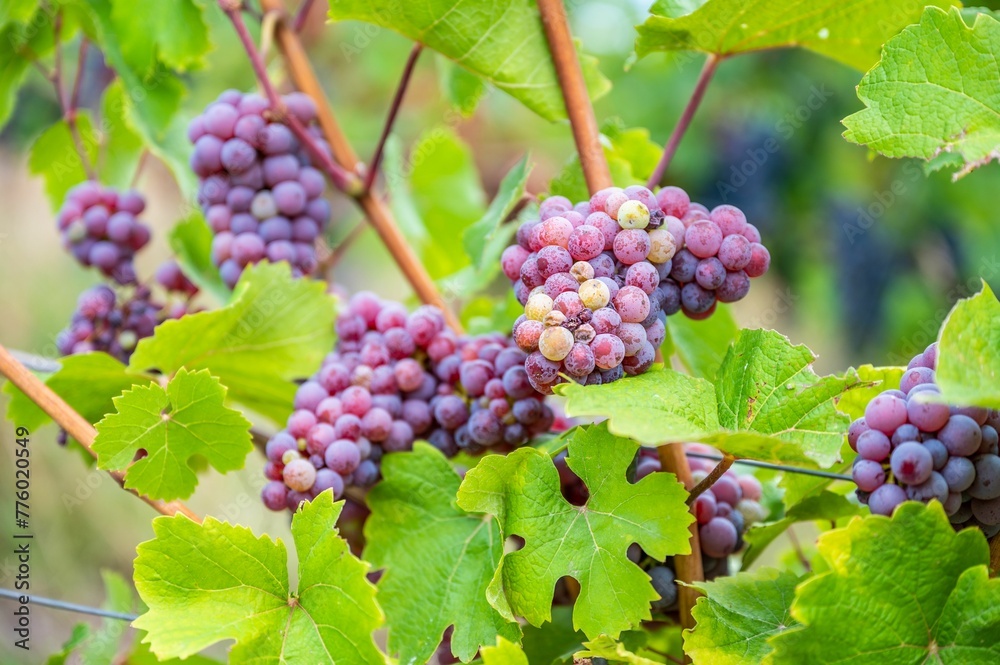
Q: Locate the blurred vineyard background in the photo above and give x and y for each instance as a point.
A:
(868, 254)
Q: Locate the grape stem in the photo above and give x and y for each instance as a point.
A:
(68, 105)
(711, 63)
(797, 546)
(334, 256)
(75, 425)
(995, 555)
(688, 566)
(374, 208)
(69, 607)
(397, 104)
(301, 15)
(709, 480)
(579, 109)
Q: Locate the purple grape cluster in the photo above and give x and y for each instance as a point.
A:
(111, 322)
(724, 512)
(598, 279)
(913, 447)
(100, 228)
(395, 377)
(259, 193)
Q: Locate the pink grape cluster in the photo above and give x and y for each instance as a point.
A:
(259, 193)
(100, 228)
(395, 377)
(911, 446)
(598, 279)
(724, 512)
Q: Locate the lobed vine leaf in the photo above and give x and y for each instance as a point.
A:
(172, 425)
(275, 329)
(908, 589)
(460, 86)
(588, 542)
(555, 642)
(209, 582)
(122, 147)
(20, 44)
(191, 240)
(701, 346)
(934, 92)
(438, 559)
(54, 156)
(737, 615)
(504, 653)
(829, 27)
(875, 380)
(968, 369)
(610, 649)
(501, 41)
(171, 32)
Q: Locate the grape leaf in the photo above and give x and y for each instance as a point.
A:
(610, 649)
(934, 92)
(825, 505)
(122, 146)
(702, 345)
(54, 156)
(81, 632)
(20, 45)
(275, 329)
(908, 590)
(504, 653)
(438, 559)
(172, 425)
(876, 379)
(102, 645)
(17, 11)
(191, 240)
(588, 542)
(204, 583)
(501, 41)
(172, 32)
(555, 642)
(968, 368)
(829, 27)
(631, 157)
(737, 615)
(460, 86)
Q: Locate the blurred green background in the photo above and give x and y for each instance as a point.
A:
(868, 255)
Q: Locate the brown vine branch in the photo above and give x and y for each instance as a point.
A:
(75, 424)
(709, 480)
(995, 554)
(397, 104)
(580, 111)
(378, 214)
(685, 120)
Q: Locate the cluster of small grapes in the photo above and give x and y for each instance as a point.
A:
(100, 229)
(912, 446)
(598, 279)
(724, 512)
(259, 193)
(395, 377)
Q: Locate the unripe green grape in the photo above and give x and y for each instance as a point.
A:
(582, 271)
(752, 511)
(595, 294)
(291, 455)
(633, 215)
(661, 246)
(555, 343)
(538, 306)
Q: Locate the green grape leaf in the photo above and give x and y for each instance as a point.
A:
(875, 380)
(438, 559)
(631, 157)
(275, 329)
(204, 583)
(461, 87)
(588, 542)
(908, 590)
(55, 158)
(172, 425)
(612, 650)
(486, 239)
(81, 632)
(501, 42)
(737, 615)
(122, 147)
(555, 642)
(702, 345)
(828, 27)
(25, 36)
(102, 645)
(504, 653)
(968, 367)
(172, 32)
(191, 240)
(825, 505)
(933, 92)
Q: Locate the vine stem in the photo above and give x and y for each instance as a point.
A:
(376, 211)
(711, 64)
(68, 103)
(580, 111)
(688, 566)
(69, 607)
(995, 554)
(397, 104)
(724, 464)
(301, 15)
(75, 424)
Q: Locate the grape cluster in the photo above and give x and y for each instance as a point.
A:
(258, 191)
(111, 322)
(99, 227)
(912, 446)
(724, 512)
(395, 377)
(598, 279)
